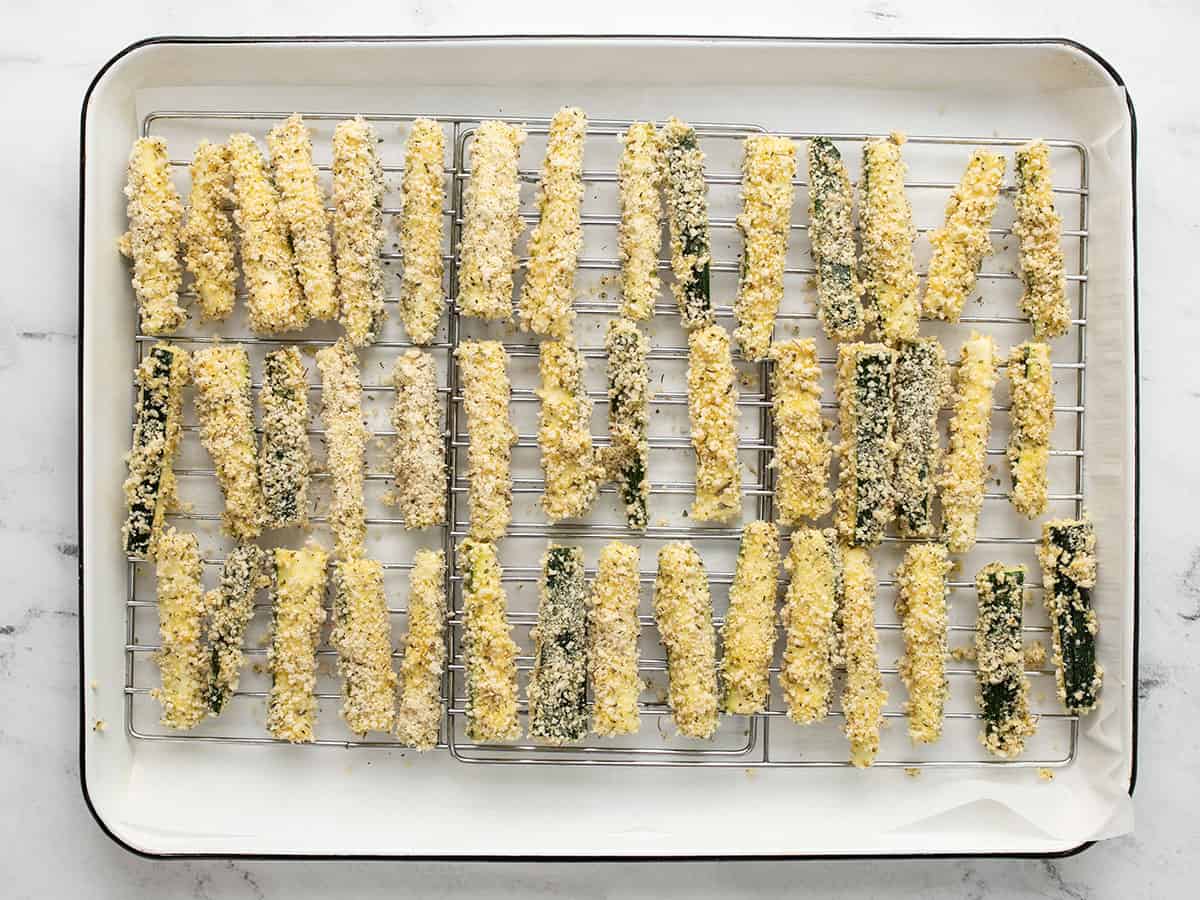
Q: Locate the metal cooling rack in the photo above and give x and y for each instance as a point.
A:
(753, 741)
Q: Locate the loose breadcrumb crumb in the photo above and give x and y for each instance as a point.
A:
(208, 231)
(555, 241)
(421, 228)
(768, 169)
(491, 223)
(152, 242)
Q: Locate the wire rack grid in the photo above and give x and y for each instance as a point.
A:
(754, 741)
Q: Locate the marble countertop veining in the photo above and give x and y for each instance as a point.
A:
(49, 52)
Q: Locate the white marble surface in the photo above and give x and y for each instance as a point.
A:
(49, 51)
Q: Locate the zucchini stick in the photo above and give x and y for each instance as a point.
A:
(345, 446)
(809, 620)
(748, 635)
(613, 630)
(491, 223)
(1032, 381)
(830, 229)
(1068, 559)
(921, 606)
(230, 608)
(362, 636)
(489, 652)
(1003, 694)
(961, 244)
(295, 632)
(419, 714)
(421, 229)
(639, 176)
(888, 270)
(627, 458)
(570, 465)
(802, 448)
(768, 169)
(222, 375)
(283, 460)
(712, 408)
(922, 386)
(420, 458)
(687, 208)
(303, 207)
(554, 243)
(181, 658)
(1039, 228)
(558, 683)
(152, 241)
(863, 696)
(683, 610)
(865, 492)
(208, 231)
(490, 435)
(964, 468)
(150, 487)
(273, 298)
(358, 189)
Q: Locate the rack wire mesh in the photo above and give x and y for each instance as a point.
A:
(742, 741)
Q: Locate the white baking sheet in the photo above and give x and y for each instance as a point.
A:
(210, 798)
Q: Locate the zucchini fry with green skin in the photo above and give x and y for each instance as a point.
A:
(712, 408)
(748, 635)
(768, 169)
(358, 239)
(964, 467)
(921, 606)
(810, 623)
(274, 300)
(961, 244)
(554, 243)
(150, 487)
(558, 683)
(1003, 689)
(490, 437)
(208, 231)
(223, 405)
(613, 630)
(1032, 381)
(152, 241)
(639, 176)
(802, 448)
(420, 458)
(570, 465)
(284, 458)
(181, 658)
(1039, 228)
(302, 205)
(683, 610)
(419, 714)
(1068, 558)
(362, 636)
(831, 231)
(230, 608)
(922, 387)
(489, 652)
(345, 446)
(491, 223)
(627, 458)
(687, 212)
(865, 492)
(863, 696)
(299, 610)
(421, 228)
(888, 270)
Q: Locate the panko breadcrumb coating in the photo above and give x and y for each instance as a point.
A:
(152, 241)
(358, 189)
(421, 226)
(208, 231)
